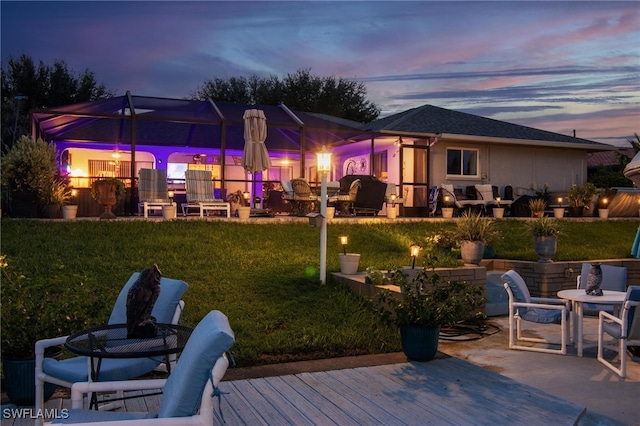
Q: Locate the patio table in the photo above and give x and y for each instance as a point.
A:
(578, 297)
(110, 341)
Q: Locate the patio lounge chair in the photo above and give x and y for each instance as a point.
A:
(200, 193)
(187, 393)
(523, 307)
(624, 329)
(152, 190)
(167, 309)
(460, 204)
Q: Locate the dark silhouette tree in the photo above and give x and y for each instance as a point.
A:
(27, 87)
(300, 91)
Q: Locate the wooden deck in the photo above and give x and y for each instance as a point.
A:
(444, 391)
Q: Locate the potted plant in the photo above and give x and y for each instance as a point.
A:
(107, 191)
(28, 169)
(474, 232)
(34, 309)
(580, 198)
(424, 305)
(53, 197)
(70, 208)
(545, 232)
(537, 206)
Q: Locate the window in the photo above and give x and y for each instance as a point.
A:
(462, 162)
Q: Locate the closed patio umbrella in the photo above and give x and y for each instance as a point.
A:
(255, 157)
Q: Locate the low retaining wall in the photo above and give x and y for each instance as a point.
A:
(543, 279)
(547, 279)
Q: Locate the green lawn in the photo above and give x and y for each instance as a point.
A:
(263, 277)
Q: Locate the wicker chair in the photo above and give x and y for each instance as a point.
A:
(304, 200)
(345, 201)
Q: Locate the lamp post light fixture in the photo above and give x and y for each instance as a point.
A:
(171, 194)
(246, 195)
(415, 250)
(344, 240)
(323, 163)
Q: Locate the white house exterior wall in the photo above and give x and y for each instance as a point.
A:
(524, 168)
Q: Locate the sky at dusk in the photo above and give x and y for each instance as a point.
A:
(551, 65)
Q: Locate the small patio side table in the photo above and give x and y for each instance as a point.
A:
(110, 341)
(577, 298)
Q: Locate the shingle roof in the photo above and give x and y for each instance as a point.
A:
(429, 119)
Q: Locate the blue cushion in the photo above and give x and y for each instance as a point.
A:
(91, 416)
(542, 316)
(75, 369)
(171, 292)
(518, 288)
(211, 338)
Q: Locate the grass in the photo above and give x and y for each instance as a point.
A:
(263, 277)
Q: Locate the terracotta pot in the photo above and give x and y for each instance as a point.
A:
(106, 196)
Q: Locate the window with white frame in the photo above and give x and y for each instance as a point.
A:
(462, 162)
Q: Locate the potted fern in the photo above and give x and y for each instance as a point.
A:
(545, 232)
(474, 232)
(580, 198)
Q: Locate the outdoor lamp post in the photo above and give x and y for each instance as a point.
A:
(415, 250)
(171, 194)
(344, 240)
(245, 195)
(323, 163)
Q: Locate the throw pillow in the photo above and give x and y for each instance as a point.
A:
(594, 280)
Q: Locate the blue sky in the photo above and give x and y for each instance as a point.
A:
(552, 65)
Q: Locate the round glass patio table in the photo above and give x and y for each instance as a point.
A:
(578, 297)
(111, 341)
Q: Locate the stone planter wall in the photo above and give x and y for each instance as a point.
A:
(543, 279)
(547, 279)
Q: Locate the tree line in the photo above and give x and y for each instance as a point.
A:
(27, 86)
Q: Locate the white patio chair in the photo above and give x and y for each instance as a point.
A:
(625, 331)
(200, 195)
(613, 278)
(188, 392)
(153, 192)
(542, 310)
(167, 309)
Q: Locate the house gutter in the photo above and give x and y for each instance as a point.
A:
(589, 145)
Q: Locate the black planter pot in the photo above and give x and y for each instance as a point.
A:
(419, 343)
(50, 211)
(23, 204)
(20, 376)
(575, 211)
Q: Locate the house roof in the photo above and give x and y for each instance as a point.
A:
(429, 120)
(609, 158)
(202, 124)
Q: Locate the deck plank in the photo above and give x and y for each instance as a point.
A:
(447, 391)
